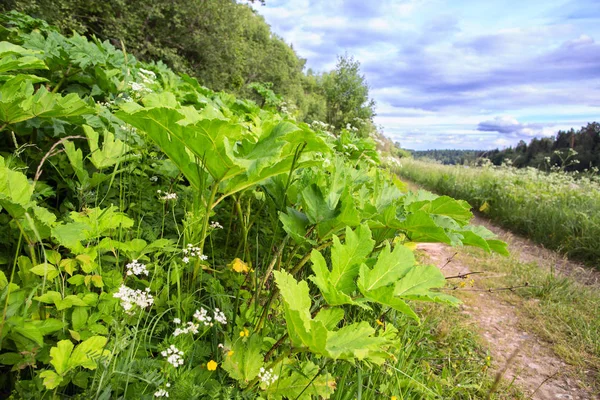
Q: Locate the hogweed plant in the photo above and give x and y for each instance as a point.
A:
(188, 244)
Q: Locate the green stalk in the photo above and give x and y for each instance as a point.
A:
(12, 276)
(209, 206)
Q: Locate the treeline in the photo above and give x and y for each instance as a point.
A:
(569, 150)
(448, 156)
(226, 45)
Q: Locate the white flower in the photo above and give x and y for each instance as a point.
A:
(167, 196)
(216, 225)
(130, 298)
(202, 316)
(267, 376)
(136, 268)
(220, 317)
(174, 356)
(191, 327)
(153, 178)
(192, 251)
(161, 393)
(176, 321)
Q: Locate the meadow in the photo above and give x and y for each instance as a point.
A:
(160, 239)
(560, 210)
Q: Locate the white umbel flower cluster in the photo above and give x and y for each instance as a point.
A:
(162, 392)
(190, 328)
(192, 251)
(166, 196)
(216, 225)
(267, 376)
(218, 316)
(136, 268)
(147, 76)
(130, 298)
(174, 356)
(202, 316)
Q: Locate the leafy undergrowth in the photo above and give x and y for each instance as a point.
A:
(160, 239)
(559, 210)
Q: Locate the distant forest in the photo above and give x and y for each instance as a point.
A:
(573, 150)
(449, 156)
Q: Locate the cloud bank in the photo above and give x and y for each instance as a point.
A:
(458, 74)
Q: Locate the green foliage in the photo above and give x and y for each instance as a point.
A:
(144, 216)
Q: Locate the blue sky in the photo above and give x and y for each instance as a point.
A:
(458, 73)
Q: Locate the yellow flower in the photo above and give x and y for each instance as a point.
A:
(229, 353)
(244, 332)
(462, 284)
(211, 365)
(472, 282)
(239, 266)
(393, 398)
(379, 322)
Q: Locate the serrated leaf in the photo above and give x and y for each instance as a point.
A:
(59, 356)
(295, 223)
(390, 267)
(417, 283)
(88, 352)
(51, 379)
(347, 258)
(322, 279)
(113, 150)
(420, 227)
(313, 334)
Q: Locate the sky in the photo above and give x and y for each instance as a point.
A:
(458, 74)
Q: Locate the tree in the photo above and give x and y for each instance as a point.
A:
(347, 94)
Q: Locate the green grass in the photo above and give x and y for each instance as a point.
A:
(554, 209)
(557, 309)
(442, 358)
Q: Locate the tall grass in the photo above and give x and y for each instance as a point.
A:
(559, 210)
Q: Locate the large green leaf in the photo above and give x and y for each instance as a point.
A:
(88, 352)
(347, 258)
(419, 281)
(458, 210)
(355, 341)
(160, 124)
(20, 63)
(15, 191)
(390, 267)
(113, 150)
(322, 279)
(420, 227)
(60, 356)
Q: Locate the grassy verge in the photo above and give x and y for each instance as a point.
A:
(442, 358)
(558, 309)
(554, 209)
